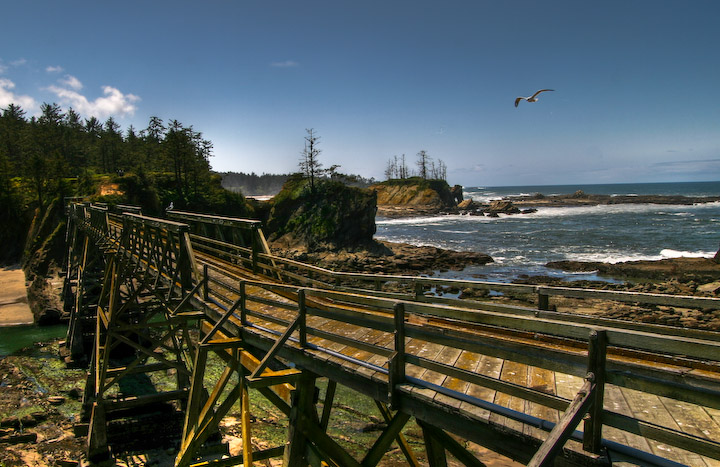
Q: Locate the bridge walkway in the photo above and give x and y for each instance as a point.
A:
(363, 352)
(516, 380)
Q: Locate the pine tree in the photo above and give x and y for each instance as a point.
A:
(309, 163)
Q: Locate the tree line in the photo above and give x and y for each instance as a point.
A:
(42, 151)
(427, 168)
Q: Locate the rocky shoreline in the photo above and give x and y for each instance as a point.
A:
(529, 204)
(580, 198)
(386, 258)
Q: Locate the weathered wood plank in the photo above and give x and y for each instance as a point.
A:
(515, 373)
(649, 408)
(542, 380)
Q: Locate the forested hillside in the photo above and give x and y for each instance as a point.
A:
(253, 184)
(58, 154)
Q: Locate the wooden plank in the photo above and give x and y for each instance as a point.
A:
(515, 373)
(467, 361)
(488, 366)
(615, 402)
(448, 356)
(649, 408)
(692, 419)
(542, 380)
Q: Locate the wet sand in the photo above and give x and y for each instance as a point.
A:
(14, 309)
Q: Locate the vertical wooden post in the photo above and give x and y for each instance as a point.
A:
(184, 262)
(597, 351)
(205, 283)
(254, 248)
(301, 412)
(543, 300)
(245, 413)
(327, 403)
(97, 435)
(433, 447)
(243, 301)
(418, 290)
(302, 318)
(396, 373)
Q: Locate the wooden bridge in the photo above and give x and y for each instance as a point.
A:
(153, 297)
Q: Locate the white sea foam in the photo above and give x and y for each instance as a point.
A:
(620, 257)
(554, 212)
(668, 253)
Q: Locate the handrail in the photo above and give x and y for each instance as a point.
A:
(688, 388)
(683, 366)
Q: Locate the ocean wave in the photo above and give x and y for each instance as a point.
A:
(555, 212)
(668, 253)
(619, 257)
(463, 232)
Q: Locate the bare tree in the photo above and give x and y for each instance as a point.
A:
(403, 168)
(309, 163)
(392, 168)
(423, 163)
(442, 170)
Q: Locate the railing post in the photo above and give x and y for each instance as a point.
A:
(592, 437)
(418, 289)
(206, 284)
(302, 315)
(243, 299)
(396, 373)
(543, 300)
(254, 230)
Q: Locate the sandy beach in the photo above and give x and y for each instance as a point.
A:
(14, 309)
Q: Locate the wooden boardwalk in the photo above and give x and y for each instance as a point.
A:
(516, 380)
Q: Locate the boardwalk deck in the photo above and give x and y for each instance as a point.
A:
(497, 376)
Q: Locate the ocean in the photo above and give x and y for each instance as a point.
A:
(521, 244)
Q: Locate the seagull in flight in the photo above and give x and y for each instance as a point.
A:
(532, 98)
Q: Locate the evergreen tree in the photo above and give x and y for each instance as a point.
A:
(309, 163)
(423, 163)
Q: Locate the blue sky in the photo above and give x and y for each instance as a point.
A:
(636, 82)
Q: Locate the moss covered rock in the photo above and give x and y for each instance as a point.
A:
(415, 191)
(332, 216)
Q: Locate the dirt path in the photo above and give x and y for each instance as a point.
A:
(14, 309)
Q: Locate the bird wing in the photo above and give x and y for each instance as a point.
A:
(517, 101)
(542, 90)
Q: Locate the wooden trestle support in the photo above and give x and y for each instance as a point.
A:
(155, 313)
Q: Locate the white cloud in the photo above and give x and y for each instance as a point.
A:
(72, 82)
(18, 62)
(54, 69)
(285, 64)
(113, 103)
(8, 97)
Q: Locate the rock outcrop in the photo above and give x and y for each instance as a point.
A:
(580, 198)
(389, 258)
(414, 196)
(703, 269)
(333, 216)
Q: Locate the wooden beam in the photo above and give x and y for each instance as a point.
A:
(433, 447)
(381, 445)
(400, 438)
(455, 448)
(592, 434)
(559, 435)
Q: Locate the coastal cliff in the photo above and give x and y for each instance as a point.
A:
(332, 216)
(580, 198)
(413, 196)
(333, 227)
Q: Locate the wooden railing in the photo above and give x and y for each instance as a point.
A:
(606, 355)
(676, 363)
